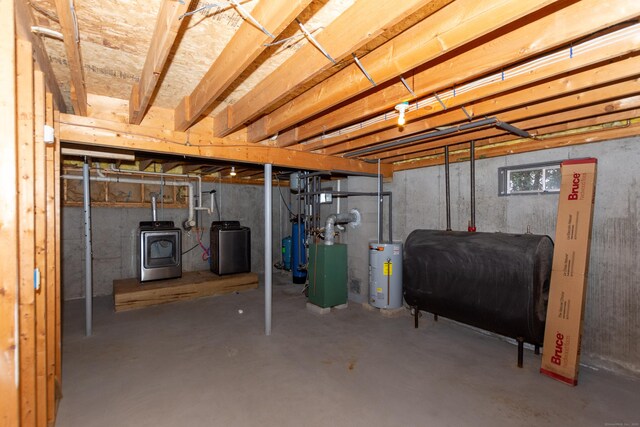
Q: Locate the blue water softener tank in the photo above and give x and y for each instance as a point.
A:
(286, 253)
(298, 252)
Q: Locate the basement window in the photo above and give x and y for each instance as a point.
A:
(529, 179)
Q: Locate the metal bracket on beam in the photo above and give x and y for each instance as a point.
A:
(238, 7)
(359, 64)
(406, 85)
(444, 107)
(246, 15)
(466, 113)
(315, 42)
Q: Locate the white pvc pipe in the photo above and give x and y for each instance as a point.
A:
(145, 181)
(88, 253)
(268, 235)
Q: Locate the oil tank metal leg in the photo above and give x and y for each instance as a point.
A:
(536, 349)
(520, 351)
(416, 314)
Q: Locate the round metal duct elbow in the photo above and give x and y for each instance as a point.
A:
(353, 218)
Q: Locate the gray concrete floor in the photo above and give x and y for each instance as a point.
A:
(202, 363)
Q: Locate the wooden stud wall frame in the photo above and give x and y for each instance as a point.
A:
(122, 194)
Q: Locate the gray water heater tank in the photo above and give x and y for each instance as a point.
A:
(385, 275)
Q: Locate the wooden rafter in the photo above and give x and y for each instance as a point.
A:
(562, 27)
(70, 32)
(81, 130)
(167, 166)
(457, 24)
(358, 25)
(166, 30)
(245, 46)
(583, 80)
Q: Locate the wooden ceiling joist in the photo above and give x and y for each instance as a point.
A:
(94, 132)
(358, 25)
(449, 28)
(166, 30)
(609, 111)
(245, 46)
(548, 32)
(513, 147)
(70, 33)
(24, 22)
(583, 80)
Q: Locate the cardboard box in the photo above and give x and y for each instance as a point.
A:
(563, 330)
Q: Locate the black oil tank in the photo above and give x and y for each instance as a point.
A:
(494, 281)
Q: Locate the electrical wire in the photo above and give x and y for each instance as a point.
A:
(282, 196)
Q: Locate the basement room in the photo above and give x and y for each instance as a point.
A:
(320, 213)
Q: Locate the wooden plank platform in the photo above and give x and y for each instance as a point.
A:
(130, 294)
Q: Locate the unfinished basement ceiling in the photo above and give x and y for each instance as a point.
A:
(558, 72)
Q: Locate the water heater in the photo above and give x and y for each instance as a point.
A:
(385, 275)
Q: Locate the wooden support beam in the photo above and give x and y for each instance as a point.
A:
(167, 166)
(519, 146)
(592, 115)
(582, 80)
(9, 380)
(58, 229)
(144, 164)
(87, 131)
(243, 49)
(358, 25)
(71, 34)
(24, 21)
(567, 24)
(40, 249)
(26, 223)
(52, 266)
(452, 27)
(192, 168)
(168, 24)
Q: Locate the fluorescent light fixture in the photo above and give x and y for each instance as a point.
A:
(401, 108)
(233, 171)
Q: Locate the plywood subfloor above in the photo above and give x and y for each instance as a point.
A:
(130, 294)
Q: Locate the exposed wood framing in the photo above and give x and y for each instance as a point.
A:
(457, 24)
(579, 81)
(89, 131)
(166, 167)
(71, 36)
(24, 21)
(40, 250)
(52, 266)
(549, 32)
(26, 244)
(609, 111)
(245, 46)
(58, 248)
(10, 400)
(358, 25)
(518, 146)
(164, 35)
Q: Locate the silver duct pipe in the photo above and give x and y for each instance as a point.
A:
(88, 252)
(353, 217)
(154, 208)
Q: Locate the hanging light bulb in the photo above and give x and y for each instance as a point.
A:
(401, 108)
(233, 171)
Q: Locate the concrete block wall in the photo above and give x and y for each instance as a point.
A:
(611, 334)
(114, 234)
